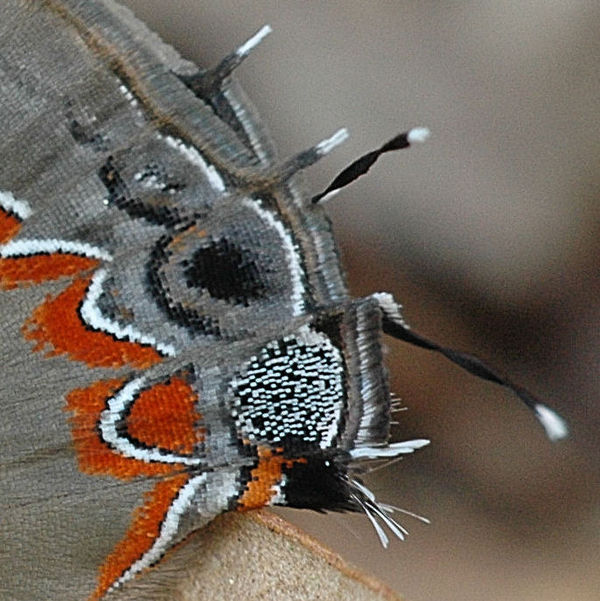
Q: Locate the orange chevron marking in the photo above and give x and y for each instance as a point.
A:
(35, 269)
(164, 416)
(9, 226)
(261, 487)
(93, 455)
(144, 529)
(56, 323)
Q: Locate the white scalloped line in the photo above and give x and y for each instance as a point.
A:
(92, 316)
(293, 255)
(27, 247)
(90, 313)
(20, 208)
(115, 414)
(193, 156)
(168, 530)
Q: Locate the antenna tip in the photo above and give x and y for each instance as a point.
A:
(417, 135)
(555, 426)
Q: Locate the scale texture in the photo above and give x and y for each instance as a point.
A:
(177, 338)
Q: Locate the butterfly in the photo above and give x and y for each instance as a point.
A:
(178, 338)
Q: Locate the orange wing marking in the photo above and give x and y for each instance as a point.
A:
(127, 558)
(56, 323)
(161, 420)
(12, 213)
(264, 478)
(155, 524)
(94, 456)
(36, 269)
(164, 416)
(9, 226)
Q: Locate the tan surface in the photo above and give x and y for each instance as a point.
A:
(257, 556)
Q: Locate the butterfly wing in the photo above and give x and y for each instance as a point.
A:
(114, 164)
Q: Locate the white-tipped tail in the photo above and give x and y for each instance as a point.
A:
(418, 134)
(392, 450)
(555, 426)
(329, 144)
(254, 41)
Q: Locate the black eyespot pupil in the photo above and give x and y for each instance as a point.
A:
(227, 272)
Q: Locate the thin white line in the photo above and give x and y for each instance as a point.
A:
(20, 208)
(28, 247)
(92, 315)
(168, 530)
(293, 260)
(193, 156)
(113, 414)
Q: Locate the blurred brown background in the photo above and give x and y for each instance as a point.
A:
(489, 236)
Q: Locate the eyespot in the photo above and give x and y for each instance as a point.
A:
(227, 276)
(227, 271)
